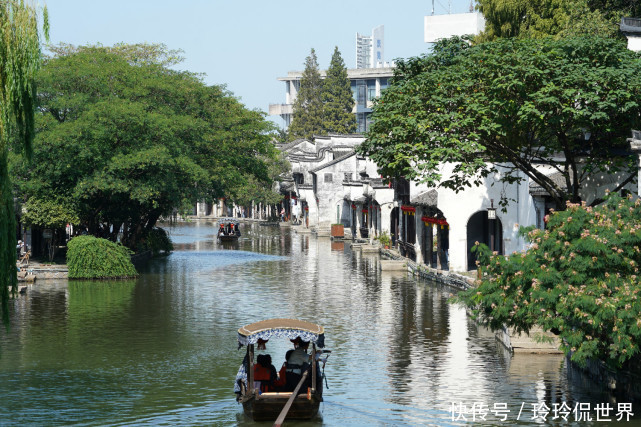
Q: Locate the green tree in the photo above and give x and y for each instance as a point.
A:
(337, 98)
(541, 18)
(127, 140)
(19, 61)
(307, 115)
(579, 279)
(253, 190)
(514, 103)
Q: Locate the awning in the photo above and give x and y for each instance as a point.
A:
(281, 328)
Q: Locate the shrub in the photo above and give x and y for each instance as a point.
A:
(579, 279)
(384, 238)
(91, 257)
(158, 241)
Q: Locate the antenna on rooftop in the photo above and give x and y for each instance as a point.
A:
(432, 7)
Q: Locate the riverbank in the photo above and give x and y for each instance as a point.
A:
(446, 277)
(37, 270)
(42, 271)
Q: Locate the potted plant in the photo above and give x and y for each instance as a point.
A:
(338, 230)
(384, 239)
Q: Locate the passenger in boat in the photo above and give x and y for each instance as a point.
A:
(282, 374)
(297, 363)
(265, 373)
(221, 230)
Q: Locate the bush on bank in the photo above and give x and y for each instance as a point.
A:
(579, 279)
(91, 257)
(157, 240)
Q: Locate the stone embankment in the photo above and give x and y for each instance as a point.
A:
(38, 271)
(445, 277)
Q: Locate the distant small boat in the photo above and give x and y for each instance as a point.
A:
(228, 229)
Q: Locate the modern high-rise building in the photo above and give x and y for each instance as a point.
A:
(370, 49)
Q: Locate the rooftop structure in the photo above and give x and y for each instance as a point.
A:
(631, 28)
(444, 26)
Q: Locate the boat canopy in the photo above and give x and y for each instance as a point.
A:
(281, 328)
(227, 220)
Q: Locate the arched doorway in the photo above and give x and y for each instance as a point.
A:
(483, 230)
(394, 226)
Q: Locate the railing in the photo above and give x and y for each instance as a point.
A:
(632, 22)
(630, 25)
(407, 250)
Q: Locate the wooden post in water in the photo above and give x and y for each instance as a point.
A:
(281, 418)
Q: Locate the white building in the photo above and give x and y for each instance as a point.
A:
(458, 24)
(334, 185)
(370, 50)
(631, 28)
(367, 84)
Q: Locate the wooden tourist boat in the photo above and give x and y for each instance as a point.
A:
(301, 402)
(228, 229)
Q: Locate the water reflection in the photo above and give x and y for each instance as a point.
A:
(162, 349)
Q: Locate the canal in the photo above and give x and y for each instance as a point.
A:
(162, 349)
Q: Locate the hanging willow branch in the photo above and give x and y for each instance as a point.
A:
(20, 58)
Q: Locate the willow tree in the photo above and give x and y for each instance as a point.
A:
(19, 60)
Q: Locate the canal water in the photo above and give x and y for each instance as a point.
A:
(162, 349)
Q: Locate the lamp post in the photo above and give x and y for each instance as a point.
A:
(491, 216)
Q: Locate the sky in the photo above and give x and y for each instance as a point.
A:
(246, 45)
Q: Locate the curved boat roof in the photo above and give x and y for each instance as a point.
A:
(227, 219)
(287, 328)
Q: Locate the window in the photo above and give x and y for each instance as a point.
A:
(361, 93)
(361, 125)
(371, 89)
(348, 176)
(329, 177)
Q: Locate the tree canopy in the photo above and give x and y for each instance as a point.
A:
(514, 103)
(20, 58)
(337, 97)
(578, 279)
(560, 18)
(124, 140)
(307, 116)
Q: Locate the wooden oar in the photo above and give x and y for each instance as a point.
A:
(281, 418)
